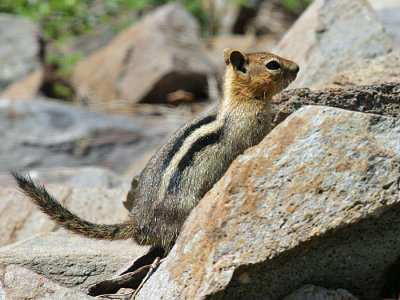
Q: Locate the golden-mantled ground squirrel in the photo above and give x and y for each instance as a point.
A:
(193, 159)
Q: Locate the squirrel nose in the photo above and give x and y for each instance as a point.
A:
(296, 69)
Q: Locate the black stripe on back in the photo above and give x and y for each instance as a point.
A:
(179, 142)
(187, 159)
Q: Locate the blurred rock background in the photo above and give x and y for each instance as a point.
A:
(90, 89)
(64, 62)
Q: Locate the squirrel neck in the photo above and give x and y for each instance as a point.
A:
(241, 102)
(247, 117)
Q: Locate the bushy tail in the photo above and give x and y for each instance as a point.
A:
(67, 219)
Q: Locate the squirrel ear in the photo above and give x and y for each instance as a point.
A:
(236, 58)
(227, 54)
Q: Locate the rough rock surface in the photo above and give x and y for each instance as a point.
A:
(311, 292)
(315, 203)
(331, 36)
(20, 219)
(19, 283)
(70, 260)
(19, 48)
(49, 134)
(381, 99)
(157, 56)
(384, 68)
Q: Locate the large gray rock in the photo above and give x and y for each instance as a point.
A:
(330, 37)
(316, 202)
(388, 12)
(19, 48)
(385, 68)
(19, 283)
(20, 219)
(157, 56)
(70, 260)
(47, 134)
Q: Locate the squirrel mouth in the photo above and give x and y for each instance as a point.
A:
(289, 81)
(286, 83)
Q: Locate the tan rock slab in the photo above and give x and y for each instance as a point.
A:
(157, 56)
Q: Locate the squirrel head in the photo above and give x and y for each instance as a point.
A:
(256, 75)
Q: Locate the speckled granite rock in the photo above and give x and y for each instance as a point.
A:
(19, 283)
(70, 260)
(317, 202)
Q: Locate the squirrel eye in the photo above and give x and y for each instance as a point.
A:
(273, 65)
